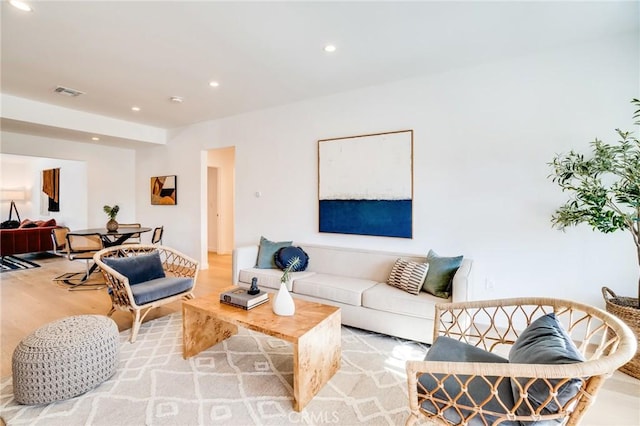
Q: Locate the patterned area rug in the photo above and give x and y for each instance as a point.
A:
(13, 263)
(245, 380)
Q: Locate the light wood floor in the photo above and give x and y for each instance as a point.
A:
(30, 299)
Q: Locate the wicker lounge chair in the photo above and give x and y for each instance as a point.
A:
(443, 391)
(134, 289)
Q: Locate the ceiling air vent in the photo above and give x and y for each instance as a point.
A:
(68, 92)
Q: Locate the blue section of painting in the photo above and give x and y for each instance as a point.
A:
(385, 218)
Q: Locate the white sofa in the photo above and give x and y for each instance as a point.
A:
(355, 280)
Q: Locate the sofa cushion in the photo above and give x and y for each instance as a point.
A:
(451, 350)
(333, 287)
(50, 222)
(269, 278)
(285, 255)
(137, 269)
(440, 274)
(25, 240)
(383, 297)
(408, 276)
(545, 341)
(160, 288)
(267, 251)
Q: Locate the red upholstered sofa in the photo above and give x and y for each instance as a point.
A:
(27, 239)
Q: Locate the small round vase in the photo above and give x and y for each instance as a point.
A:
(112, 225)
(282, 303)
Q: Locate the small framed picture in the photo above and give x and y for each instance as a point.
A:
(164, 190)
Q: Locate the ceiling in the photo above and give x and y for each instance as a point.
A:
(265, 54)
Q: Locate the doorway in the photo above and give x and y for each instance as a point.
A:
(220, 200)
(213, 214)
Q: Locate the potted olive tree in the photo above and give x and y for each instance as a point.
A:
(604, 192)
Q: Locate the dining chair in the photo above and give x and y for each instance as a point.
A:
(157, 235)
(83, 247)
(59, 238)
(134, 238)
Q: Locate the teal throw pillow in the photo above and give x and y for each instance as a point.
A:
(267, 251)
(440, 274)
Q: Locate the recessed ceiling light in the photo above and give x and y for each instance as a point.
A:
(214, 84)
(20, 5)
(95, 138)
(329, 48)
(135, 108)
(176, 99)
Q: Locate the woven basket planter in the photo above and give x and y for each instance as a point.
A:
(626, 308)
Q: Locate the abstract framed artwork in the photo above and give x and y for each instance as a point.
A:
(365, 184)
(164, 190)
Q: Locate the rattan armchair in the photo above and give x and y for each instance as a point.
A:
(494, 325)
(124, 295)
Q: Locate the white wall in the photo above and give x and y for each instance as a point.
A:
(19, 171)
(108, 177)
(73, 180)
(482, 139)
(16, 173)
(181, 221)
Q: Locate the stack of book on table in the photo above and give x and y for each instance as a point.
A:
(240, 298)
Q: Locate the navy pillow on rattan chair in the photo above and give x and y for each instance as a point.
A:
(287, 254)
(447, 388)
(545, 341)
(138, 269)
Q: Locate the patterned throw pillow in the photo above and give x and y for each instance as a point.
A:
(408, 276)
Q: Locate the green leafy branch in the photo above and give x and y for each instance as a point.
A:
(291, 266)
(604, 187)
(112, 212)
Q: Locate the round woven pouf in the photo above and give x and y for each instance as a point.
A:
(64, 359)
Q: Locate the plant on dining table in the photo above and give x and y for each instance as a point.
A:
(112, 212)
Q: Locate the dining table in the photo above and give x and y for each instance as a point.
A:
(113, 238)
(109, 239)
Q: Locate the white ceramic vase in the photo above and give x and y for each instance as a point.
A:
(283, 302)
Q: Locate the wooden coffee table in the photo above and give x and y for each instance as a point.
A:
(314, 331)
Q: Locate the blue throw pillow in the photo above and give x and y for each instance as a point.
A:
(138, 269)
(451, 350)
(267, 252)
(545, 341)
(287, 254)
